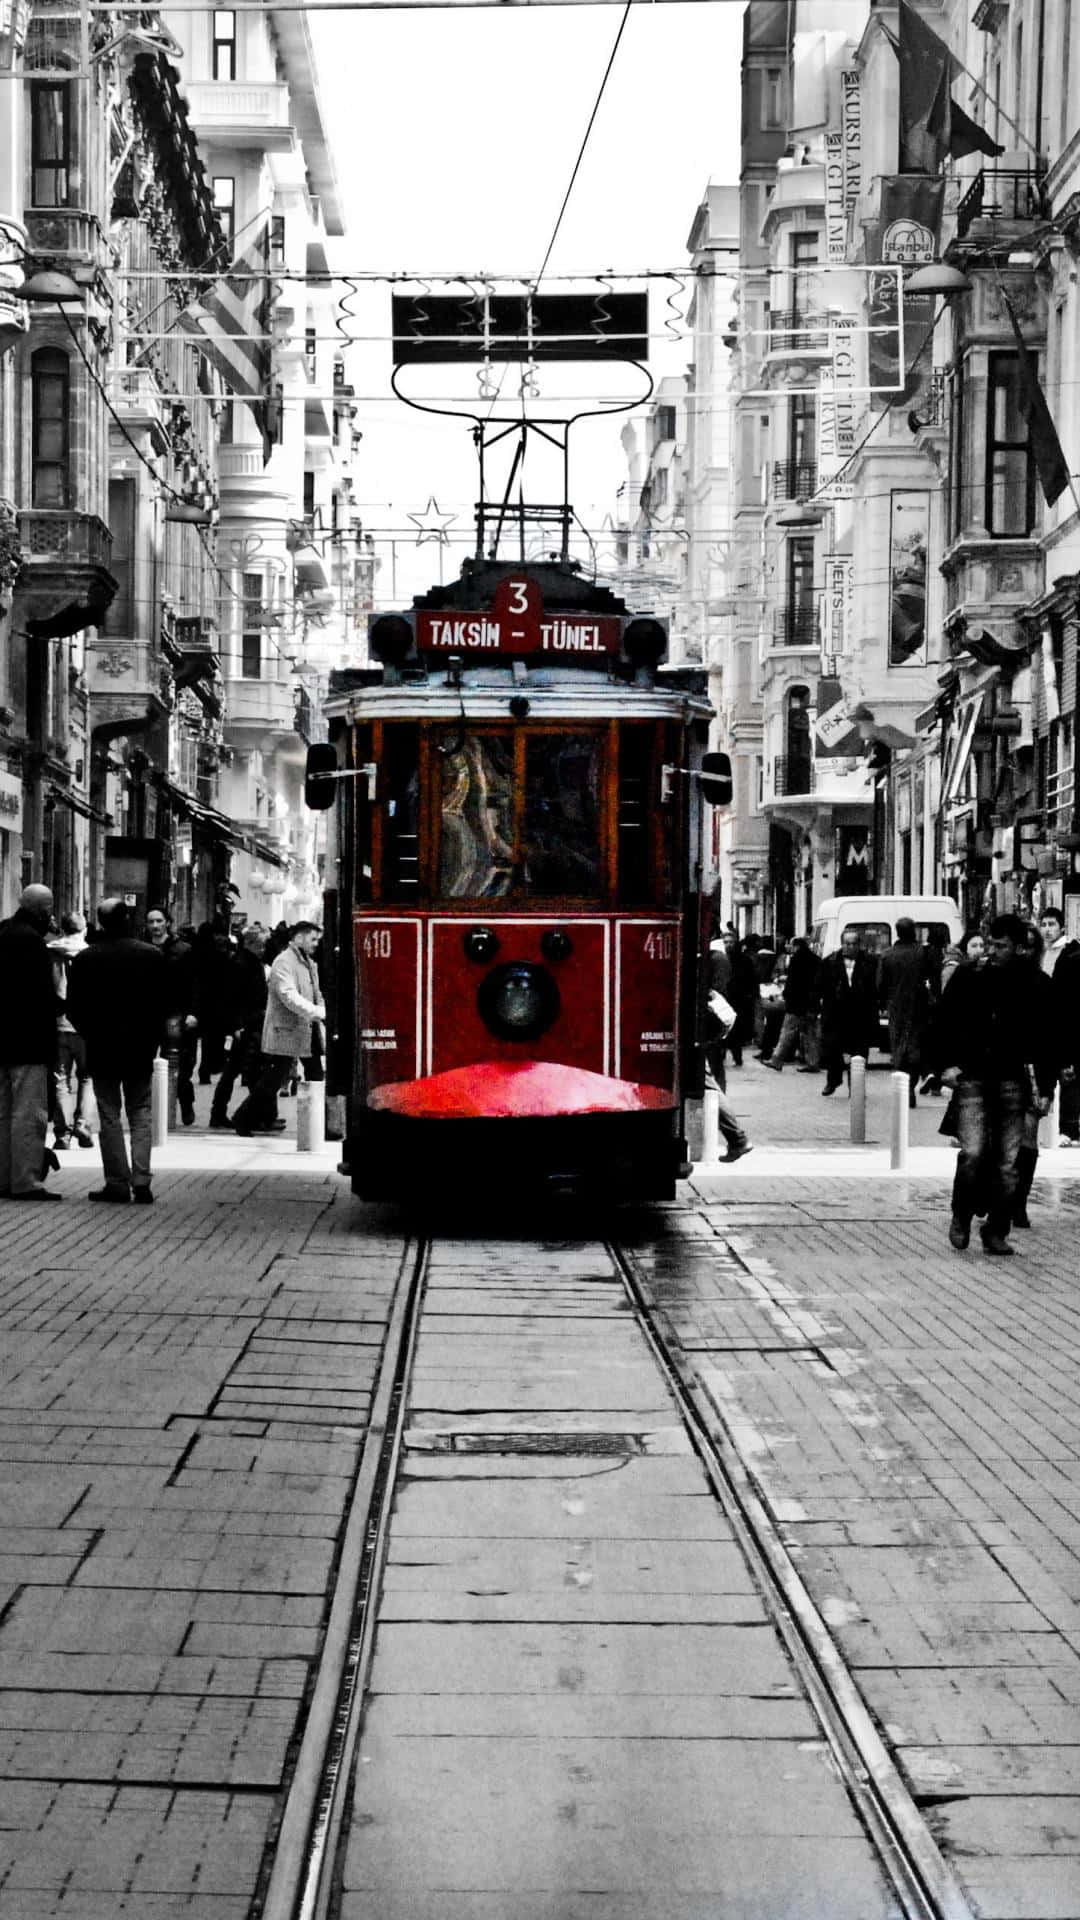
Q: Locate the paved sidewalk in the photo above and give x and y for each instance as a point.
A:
(911, 1419)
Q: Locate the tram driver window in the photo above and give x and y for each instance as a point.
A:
(476, 840)
(562, 854)
(401, 831)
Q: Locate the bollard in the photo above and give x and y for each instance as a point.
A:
(858, 1100)
(710, 1127)
(1050, 1124)
(899, 1120)
(159, 1102)
(310, 1116)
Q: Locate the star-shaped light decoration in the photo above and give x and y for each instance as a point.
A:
(432, 524)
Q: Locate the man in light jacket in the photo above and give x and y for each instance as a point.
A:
(294, 1009)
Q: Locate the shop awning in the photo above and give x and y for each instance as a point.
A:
(63, 797)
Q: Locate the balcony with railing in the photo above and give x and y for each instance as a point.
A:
(247, 113)
(792, 774)
(795, 627)
(1009, 194)
(65, 583)
(259, 707)
(798, 330)
(70, 234)
(794, 480)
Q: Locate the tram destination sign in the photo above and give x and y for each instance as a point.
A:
(518, 624)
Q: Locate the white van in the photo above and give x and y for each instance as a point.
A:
(875, 916)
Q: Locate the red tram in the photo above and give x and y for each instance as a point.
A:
(513, 897)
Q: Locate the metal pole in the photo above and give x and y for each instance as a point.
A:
(710, 1127)
(159, 1102)
(310, 1116)
(858, 1100)
(899, 1120)
(1050, 1124)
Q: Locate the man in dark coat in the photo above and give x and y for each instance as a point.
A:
(119, 999)
(800, 1008)
(244, 1008)
(905, 975)
(29, 1009)
(849, 1007)
(183, 1025)
(992, 1026)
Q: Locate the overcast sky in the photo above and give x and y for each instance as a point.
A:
(454, 135)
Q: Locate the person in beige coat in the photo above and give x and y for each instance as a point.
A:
(294, 1013)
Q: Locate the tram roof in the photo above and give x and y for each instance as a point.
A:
(484, 693)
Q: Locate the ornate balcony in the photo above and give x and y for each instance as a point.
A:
(129, 684)
(1008, 194)
(65, 583)
(794, 479)
(795, 627)
(67, 234)
(259, 709)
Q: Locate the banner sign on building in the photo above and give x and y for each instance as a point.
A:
(909, 539)
(835, 208)
(907, 236)
(852, 862)
(836, 411)
(851, 134)
(836, 611)
(836, 729)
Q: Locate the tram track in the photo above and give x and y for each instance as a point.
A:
(305, 1871)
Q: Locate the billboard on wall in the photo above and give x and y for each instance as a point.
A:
(909, 539)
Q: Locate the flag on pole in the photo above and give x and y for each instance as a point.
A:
(932, 126)
(230, 323)
(1050, 462)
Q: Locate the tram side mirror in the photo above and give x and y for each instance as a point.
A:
(320, 788)
(716, 780)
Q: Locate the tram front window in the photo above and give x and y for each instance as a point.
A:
(561, 845)
(476, 845)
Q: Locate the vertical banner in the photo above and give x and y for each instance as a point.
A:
(851, 137)
(836, 611)
(852, 860)
(909, 537)
(836, 410)
(907, 238)
(835, 208)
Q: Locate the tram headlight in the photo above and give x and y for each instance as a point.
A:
(644, 642)
(390, 638)
(556, 944)
(518, 1001)
(481, 943)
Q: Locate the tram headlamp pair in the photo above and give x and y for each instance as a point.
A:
(482, 944)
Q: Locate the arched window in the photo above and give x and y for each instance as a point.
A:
(798, 748)
(50, 400)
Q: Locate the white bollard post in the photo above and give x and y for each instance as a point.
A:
(858, 1100)
(1050, 1124)
(159, 1102)
(310, 1116)
(710, 1127)
(899, 1121)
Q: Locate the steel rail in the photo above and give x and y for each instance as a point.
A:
(921, 1876)
(306, 1849)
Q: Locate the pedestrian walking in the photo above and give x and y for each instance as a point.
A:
(1033, 952)
(1056, 942)
(28, 1015)
(993, 1042)
(743, 991)
(800, 993)
(245, 1007)
(291, 1028)
(849, 1008)
(719, 1020)
(119, 998)
(212, 955)
(905, 972)
(182, 1026)
(71, 1081)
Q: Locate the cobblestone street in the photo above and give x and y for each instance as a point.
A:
(185, 1393)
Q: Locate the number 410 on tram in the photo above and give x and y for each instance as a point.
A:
(513, 906)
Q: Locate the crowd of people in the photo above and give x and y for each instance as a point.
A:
(993, 1022)
(84, 1013)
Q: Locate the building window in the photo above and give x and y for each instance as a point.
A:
(798, 749)
(251, 636)
(772, 98)
(309, 493)
(50, 143)
(50, 382)
(277, 240)
(956, 452)
(1010, 469)
(311, 351)
(802, 432)
(224, 191)
(663, 425)
(224, 44)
